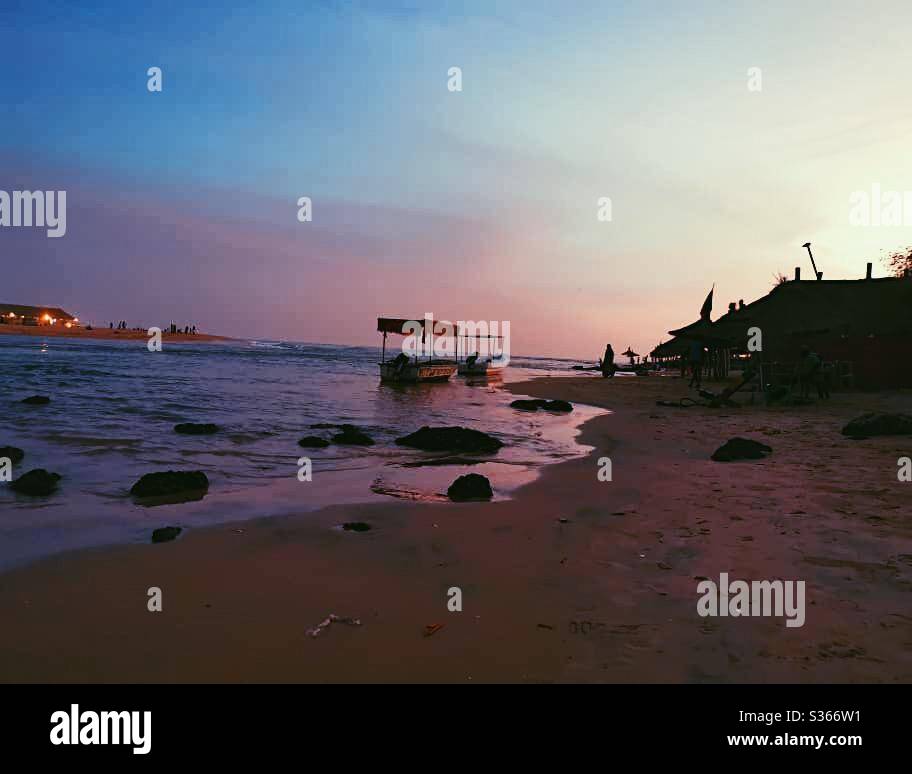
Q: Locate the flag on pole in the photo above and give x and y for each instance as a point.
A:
(707, 305)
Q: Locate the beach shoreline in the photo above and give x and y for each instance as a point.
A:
(621, 557)
(106, 334)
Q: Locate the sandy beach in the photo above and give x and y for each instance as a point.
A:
(572, 580)
(110, 334)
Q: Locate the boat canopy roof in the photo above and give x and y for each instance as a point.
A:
(396, 324)
(439, 327)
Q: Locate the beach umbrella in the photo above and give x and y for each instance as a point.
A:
(631, 354)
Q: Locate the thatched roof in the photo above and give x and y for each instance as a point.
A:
(813, 307)
(671, 348)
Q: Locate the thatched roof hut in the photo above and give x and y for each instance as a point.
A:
(674, 347)
(867, 322)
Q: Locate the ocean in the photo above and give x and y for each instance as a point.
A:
(114, 406)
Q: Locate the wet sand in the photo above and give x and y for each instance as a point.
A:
(103, 333)
(239, 599)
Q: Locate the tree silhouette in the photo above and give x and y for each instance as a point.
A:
(899, 262)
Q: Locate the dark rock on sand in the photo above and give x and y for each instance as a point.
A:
(470, 487)
(353, 436)
(14, 453)
(454, 439)
(164, 534)
(525, 405)
(313, 442)
(869, 425)
(37, 483)
(325, 426)
(170, 483)
(356, 526)
(193, 428)
(741, 449)
(37, 400)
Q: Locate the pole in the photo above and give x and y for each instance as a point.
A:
(817, 274)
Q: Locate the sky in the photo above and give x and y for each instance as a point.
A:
(479, 204)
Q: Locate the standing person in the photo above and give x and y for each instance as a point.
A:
(608, 366)
(810, 371)
(696, 364)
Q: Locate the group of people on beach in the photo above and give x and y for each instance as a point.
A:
(188, 330)
(809, 370)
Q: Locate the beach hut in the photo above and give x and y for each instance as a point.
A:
(862, 328)
(670, 351)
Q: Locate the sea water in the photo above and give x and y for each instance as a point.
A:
(114, 406)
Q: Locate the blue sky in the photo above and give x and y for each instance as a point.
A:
(473, 205)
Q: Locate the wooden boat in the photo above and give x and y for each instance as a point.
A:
(425, 371)
(479, 367)
(475, 364)
(416, 368)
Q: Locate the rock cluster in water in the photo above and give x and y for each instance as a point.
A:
(13, 453)
(535, 404)
(313, 442)
(453, 439)
(37, 483)
(194, 428)
(164, 534)
(352, 436)
(172, 482)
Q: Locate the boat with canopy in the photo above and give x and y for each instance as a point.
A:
(473, 362)
(422, 365)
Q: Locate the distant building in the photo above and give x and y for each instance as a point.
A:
(863, 326)
(36, 315)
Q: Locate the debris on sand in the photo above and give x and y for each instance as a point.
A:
(331, 619)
